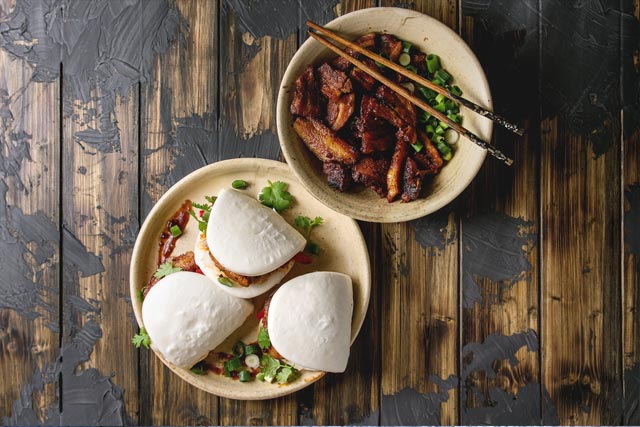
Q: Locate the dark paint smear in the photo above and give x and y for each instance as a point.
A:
(582, 43)
(283, 15)
(108, 45)
(495, 247)
(409, 407)
(632, 396)
(480, 356)
(632, 219)
(15, 142)
(500, 406)
(89, 398)
(431, 231)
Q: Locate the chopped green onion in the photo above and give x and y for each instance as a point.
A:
(443, 75)
(440, 107)
(404, 59)
(244, 376)
(451, 136)
(175, 231)
(449, 104)
(412, 68)
(456, 90)
(430, 130)
(443, 125)
(452, 117)
(199, 368)
(439, 81)
(439, 130)
(443, 148)
(226, 281)
(406, 47)
(409, 86)
(252, 361)
(238, 349)
(239, 184)
(251, 349)
(426, 93)
(260, 376)
(417, 146)
(440, 97)
(232, 365)
(423, 116)
(433, 63)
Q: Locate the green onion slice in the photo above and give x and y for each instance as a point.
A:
(239, 184)
(433, 63)
(232, 365)
(226, 281)
(238, 349)
(404, 59)
(175, 231)
(244, 376)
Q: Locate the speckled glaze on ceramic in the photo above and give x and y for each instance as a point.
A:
(430, 36)
(343, 249)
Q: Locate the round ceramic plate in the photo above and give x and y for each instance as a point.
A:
(430, 36)
(343, 249)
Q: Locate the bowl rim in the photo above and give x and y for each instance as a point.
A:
(134, 271)
(282, 114)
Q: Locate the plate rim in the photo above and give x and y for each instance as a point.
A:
(283, 98)
(134, 270)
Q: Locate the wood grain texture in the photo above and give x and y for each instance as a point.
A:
(29, 201)
(500, 226)
(631, 257)
(178, 135)
(419, 297)
(250, 73)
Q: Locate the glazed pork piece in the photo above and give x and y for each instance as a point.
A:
(364, 132)
(323, 142)
(306, 98)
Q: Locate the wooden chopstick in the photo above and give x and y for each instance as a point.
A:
(415, 100)
(419, 79)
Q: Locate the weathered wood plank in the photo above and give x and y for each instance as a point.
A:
(500, 379)
(580, 189)
(631, 231)
(254, 53)
(29, 238)
(419, 332)
(178, 135)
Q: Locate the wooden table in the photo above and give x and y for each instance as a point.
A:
(516, 304)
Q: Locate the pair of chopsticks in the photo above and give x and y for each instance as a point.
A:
(408, 95)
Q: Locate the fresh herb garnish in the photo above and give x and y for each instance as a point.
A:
(142, 338)
(263, 339)
(239, 184)
(205, 211)
(199, 368)
(272, 369)
(232, 366)
(244, 376)
(165, 269)
(276, 196)
(307, 224)
(141, 294)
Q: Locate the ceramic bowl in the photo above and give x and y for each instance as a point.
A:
(430, 36)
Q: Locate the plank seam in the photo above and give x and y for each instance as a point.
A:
(60, 230)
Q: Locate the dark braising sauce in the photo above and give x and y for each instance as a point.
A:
(167, 240)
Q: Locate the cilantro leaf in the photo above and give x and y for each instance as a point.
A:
(239, 184)
(286, 374)
(276, 196)
(141, 338)
(269, 367)
(263, 339)
(206, 211)
(165, 269)
(307, 224)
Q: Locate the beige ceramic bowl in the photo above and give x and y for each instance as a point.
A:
(430, 36)
(343, 249)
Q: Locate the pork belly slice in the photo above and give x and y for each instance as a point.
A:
(429, 161)
(339, 112)
(411, 180)
(364, 80)
(306, 98)
(403, 108)
(338, 175)
(333, 83)
(323, 142)
(390, 46)
(395, 172)
(367, 41)
(372, 173)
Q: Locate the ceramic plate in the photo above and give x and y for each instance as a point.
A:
(343, 249)
(430, 36)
